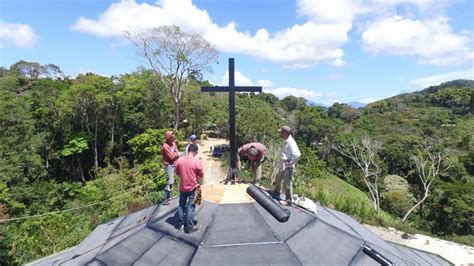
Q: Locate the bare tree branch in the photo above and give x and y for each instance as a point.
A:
(428, 166)
(173, 55)
(363, 154)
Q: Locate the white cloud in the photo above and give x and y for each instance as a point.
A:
(282, 92)
(319, 40)
(129, 15)
(265, 83)
(432, 41)
(239, 79)
(334, 11)
(335, 76)
(425, 82)
(19, 35)
(298, 46)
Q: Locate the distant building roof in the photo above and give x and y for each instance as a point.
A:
(237, 233)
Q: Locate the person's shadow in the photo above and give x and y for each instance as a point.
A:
(173, 220)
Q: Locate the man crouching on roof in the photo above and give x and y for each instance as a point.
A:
(189, 169)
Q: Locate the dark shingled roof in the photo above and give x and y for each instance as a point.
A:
(235, 234)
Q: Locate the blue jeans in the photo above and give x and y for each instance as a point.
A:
(170, 169)
(186, 206)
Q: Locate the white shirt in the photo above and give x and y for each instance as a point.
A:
(291, 152)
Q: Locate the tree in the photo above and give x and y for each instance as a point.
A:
(344, 112)
(311, 125)
(175, 56)
(364, 153)
(42, 97)
(196, 107)
(89, 101)
(396, 197)
(31, 71)
(251, 127)
(428, 166)
(292, 103)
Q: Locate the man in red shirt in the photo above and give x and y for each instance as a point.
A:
(170, 156)
(255, 153)
(189, 169)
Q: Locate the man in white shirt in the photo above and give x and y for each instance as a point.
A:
(290, 154)
(193, 140)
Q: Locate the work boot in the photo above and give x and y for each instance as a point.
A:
(179, 225)
(189, 230)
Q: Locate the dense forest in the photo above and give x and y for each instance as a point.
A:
(88, 149)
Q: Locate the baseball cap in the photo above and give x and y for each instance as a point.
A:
(193, 137)
(286, 129)
(253, 151)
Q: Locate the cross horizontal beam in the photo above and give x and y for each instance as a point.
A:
(227, 89)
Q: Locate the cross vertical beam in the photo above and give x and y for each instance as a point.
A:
(231, 89)
(233, 137)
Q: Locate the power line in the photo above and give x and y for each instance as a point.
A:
(77, 208)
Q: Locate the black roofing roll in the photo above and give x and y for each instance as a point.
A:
(376, 256)
(281, 214)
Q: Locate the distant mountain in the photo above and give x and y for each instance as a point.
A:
(356, 105)
(311, 103)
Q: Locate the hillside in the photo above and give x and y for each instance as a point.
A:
(75, 153)
(439, 117)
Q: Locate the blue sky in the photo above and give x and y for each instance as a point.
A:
(325, 51)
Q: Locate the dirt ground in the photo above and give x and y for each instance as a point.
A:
(213, 173)
(456, 253)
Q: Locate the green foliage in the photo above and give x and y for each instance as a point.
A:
(312, 125)
(311, 166)
(19, 160)
(397, 202)
(75, 146)
(292, 103)
(196, 107)
(251, 127)
(452, 211)
(103, 132)
(33, 239)
(337, 194)
(148, 145)
(144, 101)
(457, 99)
(344, 112)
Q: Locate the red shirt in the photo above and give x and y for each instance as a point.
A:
(189, 169)
(261, 149)
(170, 153)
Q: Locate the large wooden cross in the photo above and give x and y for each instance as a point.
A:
(231, 89)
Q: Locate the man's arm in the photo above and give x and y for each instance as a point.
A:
(177, 169)
(199, 169)
(167, 154)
